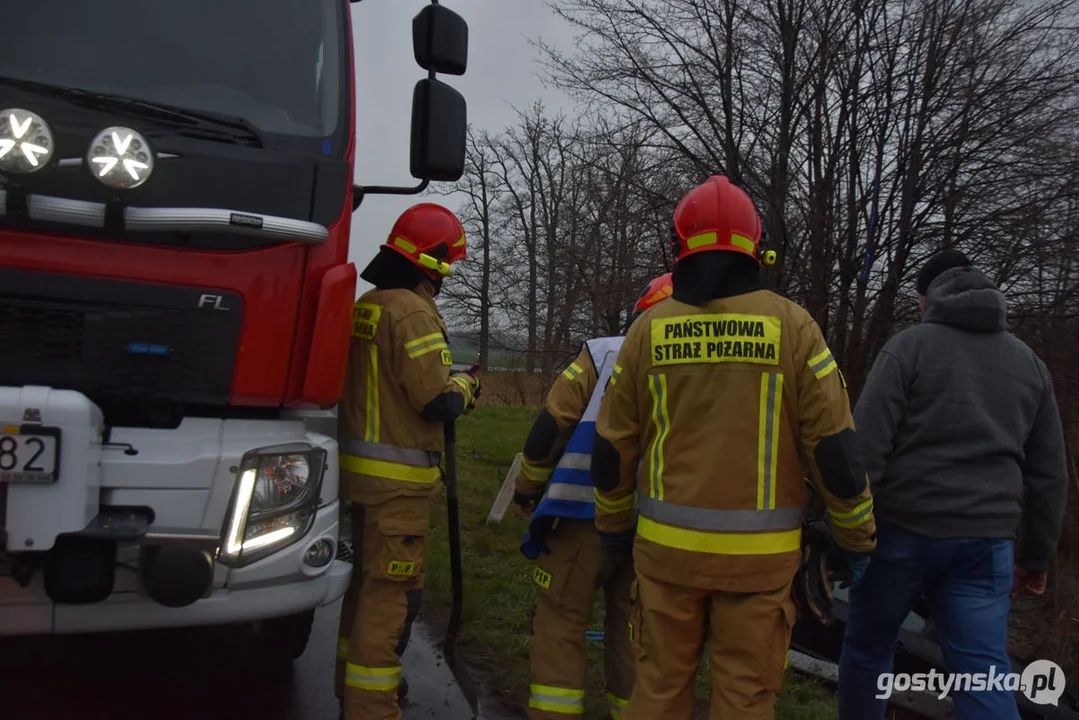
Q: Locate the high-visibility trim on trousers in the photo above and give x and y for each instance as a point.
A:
(555, 699)
(853, 518)
(390, 453)
(657, 386)
(377, 679)
(616, 706)
(695, 518)
(768, 439)
(388, 470)
(717, 543)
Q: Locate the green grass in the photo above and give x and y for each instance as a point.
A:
(498, 585)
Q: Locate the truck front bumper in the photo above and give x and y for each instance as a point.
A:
(277, 586)
(140, 528)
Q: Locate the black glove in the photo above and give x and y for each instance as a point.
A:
(618, 543)
(617, 548)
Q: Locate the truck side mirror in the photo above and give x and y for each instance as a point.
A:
(439, 127)
(440, 40)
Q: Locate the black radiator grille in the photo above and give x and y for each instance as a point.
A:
(117, 340)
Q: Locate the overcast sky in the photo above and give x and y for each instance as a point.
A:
(502, 74)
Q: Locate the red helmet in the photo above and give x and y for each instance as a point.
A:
(716, 215)
(431, 237)
(658, 289)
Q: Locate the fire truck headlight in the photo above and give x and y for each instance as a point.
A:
(120, 158)
(274, 501)
(26, 143)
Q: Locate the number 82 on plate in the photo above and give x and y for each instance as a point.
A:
(29, 454)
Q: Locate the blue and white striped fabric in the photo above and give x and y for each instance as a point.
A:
(570, 493)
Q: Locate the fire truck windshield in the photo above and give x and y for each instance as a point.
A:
(279, 64)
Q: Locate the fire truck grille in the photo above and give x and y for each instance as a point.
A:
(118, 340)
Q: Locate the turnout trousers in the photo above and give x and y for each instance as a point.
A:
(382, 601)
(748, 635)
(567, 581)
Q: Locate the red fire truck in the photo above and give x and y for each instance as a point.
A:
(176, 191)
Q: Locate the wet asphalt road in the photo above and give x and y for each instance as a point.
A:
(197, 674)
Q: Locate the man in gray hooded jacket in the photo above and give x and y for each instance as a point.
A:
(957, 418)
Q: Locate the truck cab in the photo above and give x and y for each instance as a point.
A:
(176, 194)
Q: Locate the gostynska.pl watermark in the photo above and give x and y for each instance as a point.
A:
(1042, 681)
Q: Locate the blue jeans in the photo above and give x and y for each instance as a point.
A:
(967, 584)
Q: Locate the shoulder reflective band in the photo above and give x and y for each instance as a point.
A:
(426, 344)
(716, 338)
(822, 364)
(572, 371)
(771, 407)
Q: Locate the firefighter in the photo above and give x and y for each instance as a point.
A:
(554, 487)
(716, 399)
(398, 392)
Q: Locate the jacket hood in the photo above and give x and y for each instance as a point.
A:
(965, 298)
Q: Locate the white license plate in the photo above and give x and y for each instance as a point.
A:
(29, 454)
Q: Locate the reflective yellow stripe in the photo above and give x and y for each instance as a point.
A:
(533, 473)
(426, 344)
(388, 470)
(658, 387)
(615, 373)
(572, 371)
(741, 241)
(610, 507)
(557, 700)
(616, 706)
(423, 340)
(405, 245)
(342, 648)
(379, 679)
(413, 354)
(764, 543)
(853, 518)
(463, 384)
(822, 364)
(373, 410)
(771, 407)
(695, 241)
